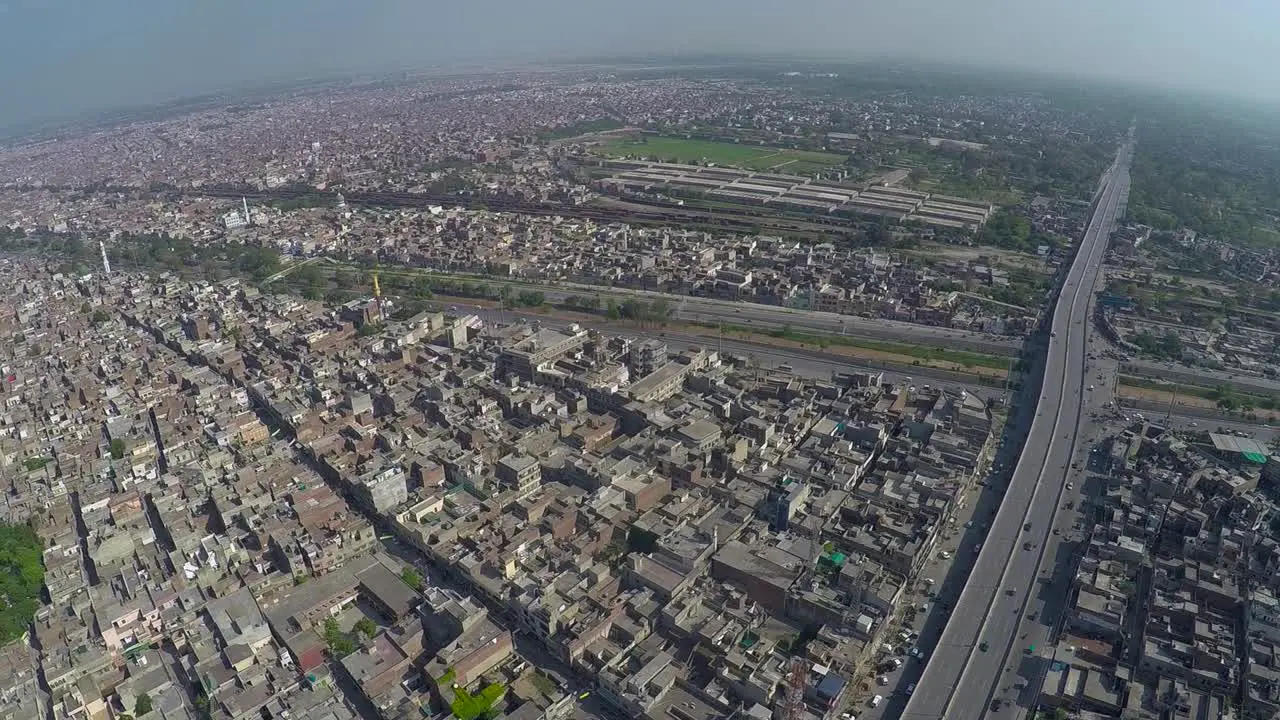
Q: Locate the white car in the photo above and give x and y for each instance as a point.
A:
(875, 701)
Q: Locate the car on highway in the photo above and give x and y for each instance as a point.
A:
(983, 646)
(1026, 527)
(910, 689)
(1027, 546)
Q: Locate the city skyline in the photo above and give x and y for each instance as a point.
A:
(74, 57)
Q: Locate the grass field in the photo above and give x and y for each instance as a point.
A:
(722, 154)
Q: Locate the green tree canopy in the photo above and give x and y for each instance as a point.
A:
(412, 579)
(21, 579)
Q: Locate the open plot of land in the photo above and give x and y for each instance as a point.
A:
(750, 157)
(1007, 258)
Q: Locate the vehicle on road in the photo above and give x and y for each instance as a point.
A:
(875, 701)
(910, 689)
(1027, 546)
(983, 646)
(1026, 527)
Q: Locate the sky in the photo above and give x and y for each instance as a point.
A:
(65, 57)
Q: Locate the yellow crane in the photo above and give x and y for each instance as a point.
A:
(377, 297)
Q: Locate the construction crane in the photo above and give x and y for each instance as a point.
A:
(377, 297)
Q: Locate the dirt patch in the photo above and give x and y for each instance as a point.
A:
(1160, 396)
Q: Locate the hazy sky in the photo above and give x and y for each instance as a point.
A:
(69, 56)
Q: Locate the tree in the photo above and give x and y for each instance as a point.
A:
(659, 311)
(339, 643)
(612, 311)
(1060, 713)
(117, 448)
(365, 627)
(412, 579)
(143, 705)
(531, 298)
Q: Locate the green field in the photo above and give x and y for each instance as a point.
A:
(722, 154)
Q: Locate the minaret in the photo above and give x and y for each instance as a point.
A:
(245, 201)
(106, 264)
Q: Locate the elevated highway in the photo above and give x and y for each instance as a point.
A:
(990, 630)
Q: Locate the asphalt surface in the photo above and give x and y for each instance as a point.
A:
(803, 363)
(733, 312)
(998, 605)
(1204, 377)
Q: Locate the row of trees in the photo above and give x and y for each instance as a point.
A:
(656, 312)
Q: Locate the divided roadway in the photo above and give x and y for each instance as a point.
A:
(961, 679)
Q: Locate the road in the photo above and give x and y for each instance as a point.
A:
(806, 363)
(1203, 377)
(995, 604)
(746, 314)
